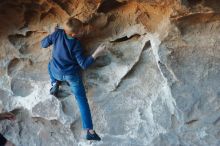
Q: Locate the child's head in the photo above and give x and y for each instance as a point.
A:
(73, 26)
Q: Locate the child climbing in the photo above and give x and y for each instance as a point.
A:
(66, 63)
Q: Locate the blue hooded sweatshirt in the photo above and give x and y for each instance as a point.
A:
(67, 55)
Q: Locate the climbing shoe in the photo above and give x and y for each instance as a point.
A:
(94, 136)
(55, 88)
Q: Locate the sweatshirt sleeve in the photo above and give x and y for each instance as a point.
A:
(49, 40)
(83, 61)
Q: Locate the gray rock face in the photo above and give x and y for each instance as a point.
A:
(157, 85)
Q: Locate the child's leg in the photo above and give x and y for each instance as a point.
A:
(78, 90)
(54, 83)
(52, 79)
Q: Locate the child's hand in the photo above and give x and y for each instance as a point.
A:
(99, 51)
(8, 143)
(7, 116)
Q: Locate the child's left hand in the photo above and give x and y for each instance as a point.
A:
(7, 116)
(99, 51)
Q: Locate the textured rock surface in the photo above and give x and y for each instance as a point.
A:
(158, 84)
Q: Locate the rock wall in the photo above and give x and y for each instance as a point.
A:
(158, 84)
